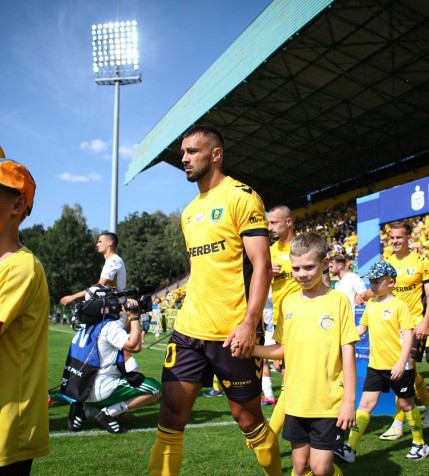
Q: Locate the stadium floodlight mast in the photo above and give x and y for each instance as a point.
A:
(115, 62)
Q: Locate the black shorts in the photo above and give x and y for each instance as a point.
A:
(195, 360)
(321, 433)
(380, 381)
(418, 349)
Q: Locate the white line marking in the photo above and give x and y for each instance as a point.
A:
(82, 434)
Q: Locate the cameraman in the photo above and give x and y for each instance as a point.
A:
(113, 274)
(112, 391)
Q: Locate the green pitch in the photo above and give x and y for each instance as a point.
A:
(213, 443)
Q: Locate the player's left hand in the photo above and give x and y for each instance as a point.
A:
(421, 331)
(397, 371)
(244, 335)
(346, 416)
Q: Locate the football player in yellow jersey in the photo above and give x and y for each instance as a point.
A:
(226, 236)
(24, 327)
(317, 334)
(412, 283)
(280, 227)
(390, 326)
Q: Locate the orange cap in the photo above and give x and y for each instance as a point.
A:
(16, 176)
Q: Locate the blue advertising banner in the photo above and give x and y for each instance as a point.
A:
(397, 203)
(404, 201)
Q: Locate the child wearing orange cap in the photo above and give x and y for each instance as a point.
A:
(24, 325)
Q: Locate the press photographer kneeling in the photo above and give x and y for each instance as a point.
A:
(94, 373)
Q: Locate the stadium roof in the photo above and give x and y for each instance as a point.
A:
(314, 99)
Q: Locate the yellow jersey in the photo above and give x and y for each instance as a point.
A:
(213, 225)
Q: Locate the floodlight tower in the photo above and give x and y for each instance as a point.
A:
(115, 62)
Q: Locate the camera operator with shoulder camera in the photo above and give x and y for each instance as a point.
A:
(94, 373)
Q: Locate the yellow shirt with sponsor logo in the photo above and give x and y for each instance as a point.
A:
(384, 321)
(312, 332)
(284, 283)
(213, 225)
(413, 273)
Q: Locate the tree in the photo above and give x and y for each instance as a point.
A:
(175, 243)
(152, 247)
(69, 255)
(32, 238)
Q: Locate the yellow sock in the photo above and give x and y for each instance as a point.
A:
(310, 473)
(166, 456)
(337, 471)
(415, 421)
(278, 416)
(399, 413)
(362, 420)
(421, 390)
(216, 384)
(265, 444)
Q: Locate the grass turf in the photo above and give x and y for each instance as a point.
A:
(213, 444)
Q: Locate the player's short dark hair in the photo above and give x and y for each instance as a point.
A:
(338, 259)
(206, 130)
(284, 210)
(309, 241)
(111, 236)
(401, 224)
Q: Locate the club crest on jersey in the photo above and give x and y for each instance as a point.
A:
(410, 271)
(326, 322)
(386, 314)
(216, 214)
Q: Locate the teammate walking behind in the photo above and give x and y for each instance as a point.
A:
(389, 322)
(227, 240)
(318, 335)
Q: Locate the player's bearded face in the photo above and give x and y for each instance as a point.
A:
(196, 157)
(195, 172)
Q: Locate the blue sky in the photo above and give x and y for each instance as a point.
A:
(59, 123)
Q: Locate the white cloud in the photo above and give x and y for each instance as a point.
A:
(127, 151)
(96, 145)
(70, 178)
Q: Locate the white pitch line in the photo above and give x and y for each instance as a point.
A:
(66, 331)
(82, 434)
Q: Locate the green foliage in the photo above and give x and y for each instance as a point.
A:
(33, 237)
(68, 254)
(152, 247)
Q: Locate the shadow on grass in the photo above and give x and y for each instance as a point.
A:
(145, 417)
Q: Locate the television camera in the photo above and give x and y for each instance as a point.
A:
(106, 302)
